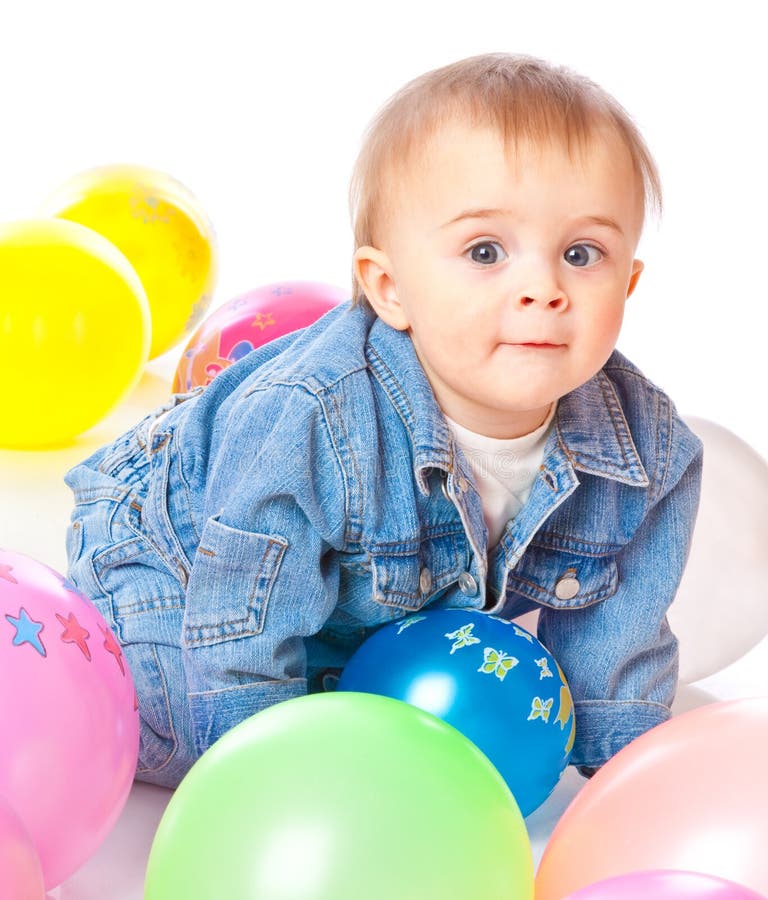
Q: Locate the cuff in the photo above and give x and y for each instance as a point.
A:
(603, 727)
(215, 712)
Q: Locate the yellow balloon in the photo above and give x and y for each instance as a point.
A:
(159, 225)
(74, 330)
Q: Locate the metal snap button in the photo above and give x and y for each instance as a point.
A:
(425, 580)
(467, 584)
(182, 572)
(463, 484)
(567, 587)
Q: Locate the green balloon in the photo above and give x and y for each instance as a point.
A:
(341, 796)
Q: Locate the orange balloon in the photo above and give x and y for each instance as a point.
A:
(691, 794)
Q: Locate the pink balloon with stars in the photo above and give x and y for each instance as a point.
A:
(70, 727)
(247, 322)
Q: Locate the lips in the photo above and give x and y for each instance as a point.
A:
(537, 345)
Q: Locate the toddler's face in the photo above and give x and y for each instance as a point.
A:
(509, 270)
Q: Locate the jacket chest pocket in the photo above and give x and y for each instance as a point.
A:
(230, 584)
(407, 574)
(564, 579)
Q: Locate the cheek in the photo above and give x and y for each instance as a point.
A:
(607, 323)
(599, 334)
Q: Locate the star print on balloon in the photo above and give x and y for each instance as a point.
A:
(262, 320)
(61, 695)
(27, 631)
(74, 633)
(111, 646)
(248, 322)
(5, 573)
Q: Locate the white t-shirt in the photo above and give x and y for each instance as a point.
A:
(504, 470)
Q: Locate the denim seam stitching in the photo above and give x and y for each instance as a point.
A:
(165, 468)
(596, 594)
(607, 549)
(558, 605)
(664, 423)
(350, 536)
(93, 495)
(439, 579)
(187, 493)
(151, 604)
(386, 378)
(136, 540)
(167, 704)
(244, 687)
(415, 543)
(314, 389)
(650, 703)
(617, 416)
(235, 623)
(154, 548)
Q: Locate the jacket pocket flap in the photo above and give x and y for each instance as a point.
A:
(230, 583)
(409, 574)
(564, 579)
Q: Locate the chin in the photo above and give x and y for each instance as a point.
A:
(525, 400)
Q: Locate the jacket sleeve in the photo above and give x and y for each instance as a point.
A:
(620, 656)
(266, 571)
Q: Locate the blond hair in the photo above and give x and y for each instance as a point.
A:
(521, 97)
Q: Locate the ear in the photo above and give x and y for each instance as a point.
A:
(374, 272)
(637, 269)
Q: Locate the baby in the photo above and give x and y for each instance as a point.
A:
(461, 434)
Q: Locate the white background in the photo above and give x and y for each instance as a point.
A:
(259, 109)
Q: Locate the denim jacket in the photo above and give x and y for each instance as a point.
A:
(243, 542)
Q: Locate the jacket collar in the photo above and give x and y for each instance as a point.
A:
(592, 430)
(590, 426)
(392, 358)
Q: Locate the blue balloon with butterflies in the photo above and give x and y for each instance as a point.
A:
(489, 678)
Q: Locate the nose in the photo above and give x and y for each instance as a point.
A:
(541, 288)
(544, 297)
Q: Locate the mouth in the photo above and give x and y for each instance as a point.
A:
(536, 345)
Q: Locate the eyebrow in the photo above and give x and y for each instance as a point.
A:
(605, 221)
(483, 213)
(491, 213)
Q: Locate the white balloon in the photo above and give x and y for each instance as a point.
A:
(721, 609)
(692, 696)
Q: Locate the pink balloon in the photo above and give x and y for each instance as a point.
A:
(247, 322)
(665, 885)
(70, 728)
(690, 795)
(21, 877)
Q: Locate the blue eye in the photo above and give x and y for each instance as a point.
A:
(582, 255)
(487, 253)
